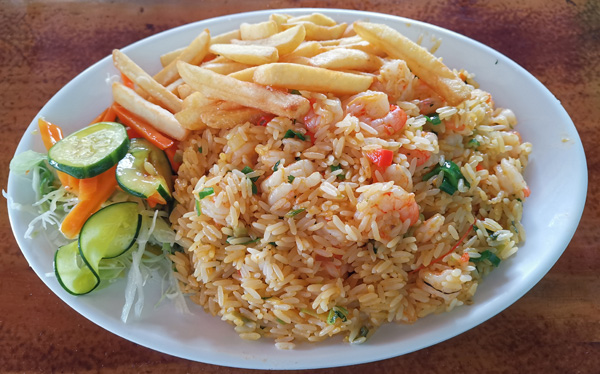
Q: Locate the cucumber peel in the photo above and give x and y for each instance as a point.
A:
(108, 233)
(91, 150)
(145, 170)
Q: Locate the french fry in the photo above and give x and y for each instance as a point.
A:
(224, 65)
(244, 93)
(363, 45)
(225, 37)
(305, 49)
(173, 86)
(246, 54)
(422, 63)
(346, 59)
(316, 18)
(158, 117)
(190, 119)
(145, 81)
(285, 41)
(279, 19)
(193, 54)
(300, 77)
(166, 58)
(317, 32)
(300, 60)
(201, 111)
(184, 91)
(245, 75)
(253, 31)
(349, 32)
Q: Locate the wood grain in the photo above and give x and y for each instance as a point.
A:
(555, 328)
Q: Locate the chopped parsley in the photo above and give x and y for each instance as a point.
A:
(473, 143)
(487, 255)
(276, 166)
(337, 167)
(294, 212)
(434, 119)
(248, 170)
(295, 92)
(206, 192)
(291, 178)
(335, 313)
(451, 176)
(291, 133)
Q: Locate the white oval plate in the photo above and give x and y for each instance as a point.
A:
(557, 175)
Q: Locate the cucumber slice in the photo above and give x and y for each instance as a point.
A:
(109, 233)
(91, 150)
(72, 272)
(145, 170)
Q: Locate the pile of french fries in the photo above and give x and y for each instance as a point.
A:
(244, 74)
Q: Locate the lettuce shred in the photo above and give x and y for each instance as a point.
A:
(149, 256)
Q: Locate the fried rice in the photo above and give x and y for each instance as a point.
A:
(291, 231)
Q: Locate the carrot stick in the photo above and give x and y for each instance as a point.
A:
(99, 118)
(127, 82)
(142, 127)
(99, 191)
(154, 199)
(110, 115)
(50, 135)
(170, 152)
(50, 132)
(131, 133)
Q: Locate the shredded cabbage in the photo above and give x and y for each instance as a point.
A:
(23, 162)
(147, 257)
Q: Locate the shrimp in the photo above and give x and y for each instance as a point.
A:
(510, 178)
(429, 228)
(419, 155)
(399, 175)
(374, 109)
(388, 205)
(445, 284)
(323, 111)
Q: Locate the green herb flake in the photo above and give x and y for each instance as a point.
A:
(451, 176)
(487, 255)
(266, 297)
(273, 244)
(335, 313)
(248, 170)
(494, 235)
(434, 119)
(280, 321)
(200, 149)
(363, 332)
(473, 143)
(291, 178)
(373, 242)
(291, 133)
(276, 166)
(294, 212)
(198, 208)
(295, 92)
(206, 192)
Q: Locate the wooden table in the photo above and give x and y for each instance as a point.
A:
(555, 328)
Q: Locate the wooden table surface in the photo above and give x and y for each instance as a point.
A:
(555, 328)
